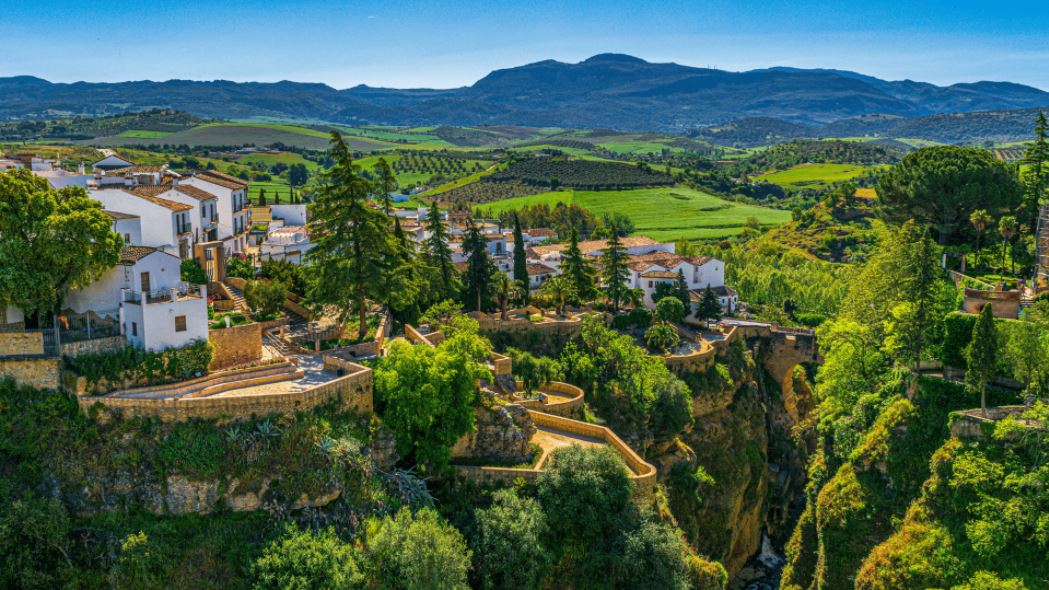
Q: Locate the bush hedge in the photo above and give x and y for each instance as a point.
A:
(143, 367)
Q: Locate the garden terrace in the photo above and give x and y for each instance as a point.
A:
(978, 423)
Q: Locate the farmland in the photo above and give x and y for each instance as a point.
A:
(665, 213)
(814, 175)
(585, 174)
(239, 134)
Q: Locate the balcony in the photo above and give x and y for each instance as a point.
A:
(183, 228)
(169, 295)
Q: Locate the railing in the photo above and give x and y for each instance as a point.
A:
(162, 295)
(31, 343)
(183, 228)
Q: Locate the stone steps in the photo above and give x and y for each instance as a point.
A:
(217, 383)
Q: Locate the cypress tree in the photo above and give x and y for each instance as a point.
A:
(386, 183)
(479, 268)
(982, 354)
(578, 270)
(681, 289)
(709, 308)
(614, 272)
(520, 258)
(1036, 157)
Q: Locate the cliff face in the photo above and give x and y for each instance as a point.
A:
(734, 475)
(854, 528)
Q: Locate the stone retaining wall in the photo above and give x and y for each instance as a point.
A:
(21, 343)
(235, 345)
(42, 373)
(565, 408)
(352, 391)
(973, 424)
(96, 345)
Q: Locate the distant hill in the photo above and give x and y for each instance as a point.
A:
(608, 90)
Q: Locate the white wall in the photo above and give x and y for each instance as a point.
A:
(291, 214)
(159, 320)
(130, 230)
(157, 223)
(231, 226)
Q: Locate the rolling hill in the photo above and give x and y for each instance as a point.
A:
(608, 90)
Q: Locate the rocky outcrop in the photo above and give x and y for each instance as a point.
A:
(501, 434)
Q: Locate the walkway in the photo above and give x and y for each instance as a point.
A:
(312, 366)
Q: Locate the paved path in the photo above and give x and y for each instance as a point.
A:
(550, 440)
(311, 364)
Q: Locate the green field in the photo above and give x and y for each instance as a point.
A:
(288, 158)
(814, 175)
(659, 213)
(144, 133)
(633, 147)
(239, 134)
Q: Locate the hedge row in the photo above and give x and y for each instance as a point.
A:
(143, 367)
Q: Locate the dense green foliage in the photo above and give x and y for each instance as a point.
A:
(136, 366)
(424, 394)
(265, 298)
(418, 552)
(307, 560)
(51, 241)
(510, 543)
(634, 390)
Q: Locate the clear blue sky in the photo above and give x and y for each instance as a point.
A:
(445, 44)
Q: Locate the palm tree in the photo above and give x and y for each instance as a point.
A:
(1006, 229)
(980, 220)
(558, 289)
(504, 289)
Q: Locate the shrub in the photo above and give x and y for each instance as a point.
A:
(509, 544)
(670, 309)
(191, 272)
(418, 552)
(143, 367)
(661, 337)
(308, 560)
(265, 298)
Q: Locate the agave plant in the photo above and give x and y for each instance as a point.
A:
(411, 489)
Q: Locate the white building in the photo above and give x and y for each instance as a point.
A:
(289, 243)
(634, 245)
(648, 271)
(128, 226)
(157, 310)
(164, 224)
(233, 221)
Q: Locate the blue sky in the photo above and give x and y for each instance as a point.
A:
(447, 44)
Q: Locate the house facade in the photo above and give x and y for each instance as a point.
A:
(233, 220)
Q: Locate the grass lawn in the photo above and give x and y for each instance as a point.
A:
(813, 175)
(288, 158)
(659, 213)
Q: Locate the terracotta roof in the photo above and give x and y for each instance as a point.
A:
(132, 254)
(539, 269)
(117, 215)
(540, 232)
(665, 259)
(222, 179)
(659, 274)
(461, 266)
(197, 193)
(135, 169)
(150, 195)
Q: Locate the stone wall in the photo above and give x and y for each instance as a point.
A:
(1004, 304)
(42, 373)
(352, 391)
(568, 408)
(93, 346)
(975, 424)
(235, 345)
(21, 343)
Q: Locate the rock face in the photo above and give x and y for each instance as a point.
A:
(501, 434)
(743, 437)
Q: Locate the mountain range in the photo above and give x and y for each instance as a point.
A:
(608, 90)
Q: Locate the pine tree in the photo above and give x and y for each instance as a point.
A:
(520, 258)
(614, 273)
(479, 268)
(709, 308)
(922, 278)
(982, 354)
(438, 255)
(386, 183)
(577, 269)
(354, 254)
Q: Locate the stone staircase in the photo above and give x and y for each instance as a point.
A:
(239, 301)
(273, 340)
(1042, 245)
(217, 382)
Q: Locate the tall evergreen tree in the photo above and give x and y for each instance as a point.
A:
(386, 182)
(354, 252)
(520, 258)
(614, 272)
(709, 308)
(982, 354)
(438, 255)
(578, 270)
(923, 277)
(1037, 160)
(479, 268)
(681, 289)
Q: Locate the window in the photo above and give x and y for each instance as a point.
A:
(127, 238)
(180, 323)
(134, 328)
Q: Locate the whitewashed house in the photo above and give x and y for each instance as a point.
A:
(164, 224)
(128, 226)
(289, 243)
(648, 271)
(233, 222)
(634, 245)
(112, 162)
(157, 310)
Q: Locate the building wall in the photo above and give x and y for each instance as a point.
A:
(157, 222)
(130, 230)
(159, 320)
(291, 214)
